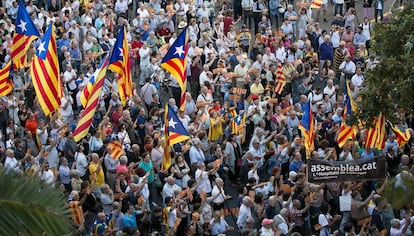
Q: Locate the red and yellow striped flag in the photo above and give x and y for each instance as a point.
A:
(280, 79)
(175, 62)
(26, 32)
(375, 137)
(119, 63)
(115, 149)
(402, 137)
(6, 83)
(45, 73)
(85, 121)
(347, 132)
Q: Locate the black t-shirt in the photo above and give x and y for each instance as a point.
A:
(89, 204)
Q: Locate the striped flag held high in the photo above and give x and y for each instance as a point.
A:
(119, 63)
(85, 121)
(45, 73)
(375, 137)
(175, 62)
(307, 128)
(25, 33)
(347, 132)
(402, 137)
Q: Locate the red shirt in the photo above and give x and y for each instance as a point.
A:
(31, 125)
(227, 22)
(135, 46)
(115, 118)
(164, 32)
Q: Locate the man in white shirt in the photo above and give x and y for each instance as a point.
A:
(269, 57)
(201, 176)
(11, 164)
(279, 221)
(121, 8)
(204, 96)
(203, 12)
(142, 12)
(170, 188)
(218, 196)
(347, 67)
(358, 78)
(144, 53)
(66, 110)
(69, 78)
(244, 212)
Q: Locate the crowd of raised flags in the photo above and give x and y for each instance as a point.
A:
(198, 152)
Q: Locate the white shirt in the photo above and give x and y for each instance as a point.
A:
(323, 221)
(330, 91)
(196, 155)
(281, 54)
(220, 198)
(121, 6)
(348, 66)
(144, 54)
(48, 177)
(169, 190)
(143, 13)
(81, 163)
(145, 191)
(147, 91)
(66, 106)
(283, 226)
(67, 76)
(11, 165)
(357, 80)
(269, 58)
(203, 97)
(202, 177)
(244, 213)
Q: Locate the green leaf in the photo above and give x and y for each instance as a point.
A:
(27, 206)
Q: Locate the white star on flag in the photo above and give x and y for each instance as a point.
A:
(179, 50)
(238, 119)
(22, 25)
(172, 123)
(121, 52)
(41, 48)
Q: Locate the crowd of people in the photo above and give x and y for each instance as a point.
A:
(236, 50)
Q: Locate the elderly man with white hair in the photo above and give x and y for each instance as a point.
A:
(245, 212)
(170, 188)
(201, 177)
(218, 196)
(11, 164)
(280, 221)
(326, 52)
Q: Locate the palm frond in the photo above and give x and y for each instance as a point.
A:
(27, 206)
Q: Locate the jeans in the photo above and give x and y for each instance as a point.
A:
(381, 14)
(339, 9)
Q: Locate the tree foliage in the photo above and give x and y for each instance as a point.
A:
(391, 83)
(28, 207)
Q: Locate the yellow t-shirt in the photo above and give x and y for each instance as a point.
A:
(99, 176)
(256, 89)
(216, 129)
